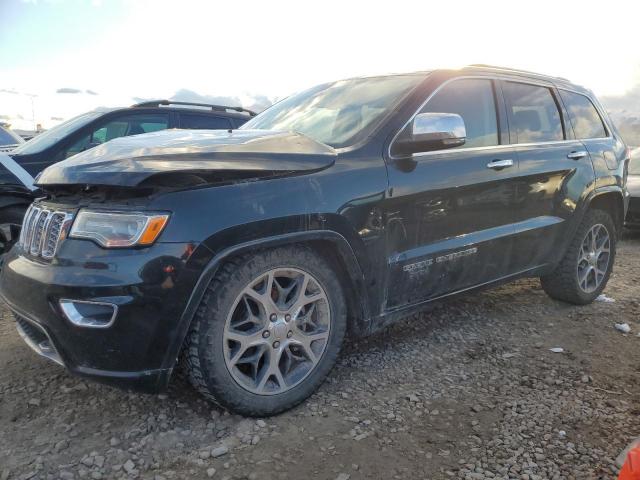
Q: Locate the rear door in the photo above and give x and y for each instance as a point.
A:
(553, 171)
(591, 130)
(450, 217)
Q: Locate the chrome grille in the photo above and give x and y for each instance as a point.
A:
(42, 230)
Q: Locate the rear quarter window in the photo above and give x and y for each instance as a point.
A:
(238, 122)
(584, 116)
(204, 122)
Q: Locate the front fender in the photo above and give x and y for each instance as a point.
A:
(342, 248)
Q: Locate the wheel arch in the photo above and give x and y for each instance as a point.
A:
(611, 200)
(329, 244)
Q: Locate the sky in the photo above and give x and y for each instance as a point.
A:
(59, 58)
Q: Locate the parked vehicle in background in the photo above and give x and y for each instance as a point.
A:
(632, 221)
(251, 253)
(8, 139)
(94, 128)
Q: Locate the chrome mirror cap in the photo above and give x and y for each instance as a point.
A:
(439, 126)
(431, 131)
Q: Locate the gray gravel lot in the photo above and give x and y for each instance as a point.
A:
(469, 390)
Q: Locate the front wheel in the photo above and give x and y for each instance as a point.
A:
(267, 332)
(586, 267)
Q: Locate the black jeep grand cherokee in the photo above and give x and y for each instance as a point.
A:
(249, 254)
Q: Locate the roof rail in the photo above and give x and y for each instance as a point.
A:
(220, 108)
(515, 70)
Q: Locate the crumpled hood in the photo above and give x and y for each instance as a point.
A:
(204, 154)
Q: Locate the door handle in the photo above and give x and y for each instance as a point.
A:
(500, 164)
(577, 155)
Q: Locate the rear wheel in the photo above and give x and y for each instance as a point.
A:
(584, 271)
(268, 331)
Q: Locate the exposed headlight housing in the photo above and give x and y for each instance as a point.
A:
(118, 229)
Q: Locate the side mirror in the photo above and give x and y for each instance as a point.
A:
(431, 131)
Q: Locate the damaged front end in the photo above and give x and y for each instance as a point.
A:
(109, 256)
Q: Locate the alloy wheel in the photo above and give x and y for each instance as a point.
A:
(593, 260)
(276, 331)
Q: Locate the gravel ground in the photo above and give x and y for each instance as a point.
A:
(470, 390)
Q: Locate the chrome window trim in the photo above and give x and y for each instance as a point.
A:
(508, 78)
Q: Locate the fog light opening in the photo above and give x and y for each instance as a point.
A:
(88, 314)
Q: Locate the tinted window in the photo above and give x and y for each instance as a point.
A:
(534, 113)
(206, 122)
(474, 101)
(583, 115)
(118, 127)
(240, 121)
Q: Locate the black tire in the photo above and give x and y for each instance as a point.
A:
(10, 222)
(205, 359)
(562, 283)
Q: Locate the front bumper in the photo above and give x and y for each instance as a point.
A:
(150, 287)
(38, 339)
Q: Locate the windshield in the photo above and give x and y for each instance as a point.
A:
(340, 113)
(51, 136)
(634, 163)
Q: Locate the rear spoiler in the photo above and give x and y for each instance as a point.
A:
(20, 173)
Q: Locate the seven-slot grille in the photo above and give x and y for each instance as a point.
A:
(42, 230)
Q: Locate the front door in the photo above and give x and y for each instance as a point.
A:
(449, 219)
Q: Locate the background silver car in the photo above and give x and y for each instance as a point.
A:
(8, 139)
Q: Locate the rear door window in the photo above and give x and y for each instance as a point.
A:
(584, 116)
(130, 125)
(204, 122)
(474, 101)
(533, 112)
